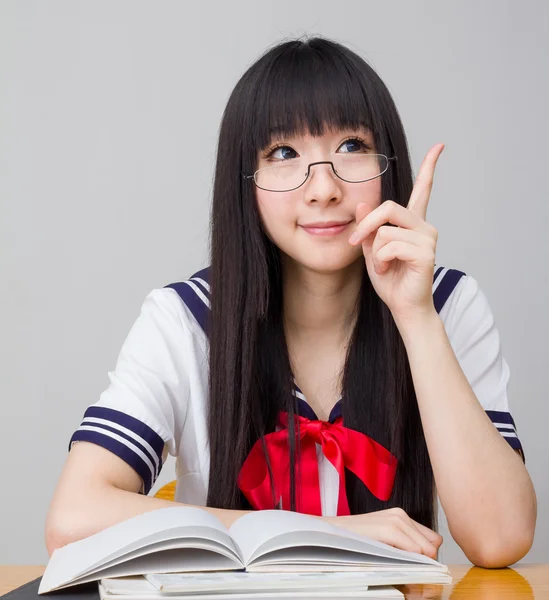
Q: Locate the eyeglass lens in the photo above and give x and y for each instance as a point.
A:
(352, 167)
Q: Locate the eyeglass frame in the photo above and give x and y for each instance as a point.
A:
(320, 162)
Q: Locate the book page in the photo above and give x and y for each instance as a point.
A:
(276, 580)
(177, 544)
(269, 530)
(238, 582)
(306, 559)
(143, 592)
(79, 558)
(172, 561)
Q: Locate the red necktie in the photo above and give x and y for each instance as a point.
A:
(373, 464)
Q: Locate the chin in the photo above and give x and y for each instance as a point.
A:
(327, 261)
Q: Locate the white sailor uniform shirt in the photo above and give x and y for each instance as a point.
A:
(156, 402)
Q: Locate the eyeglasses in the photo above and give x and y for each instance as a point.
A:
(291, 174)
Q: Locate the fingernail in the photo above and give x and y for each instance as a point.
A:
(354, 238)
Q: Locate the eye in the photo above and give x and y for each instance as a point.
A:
(280, 152)
(354, 144)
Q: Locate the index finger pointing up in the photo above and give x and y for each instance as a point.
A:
(423, 185)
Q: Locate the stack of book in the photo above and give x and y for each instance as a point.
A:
(186, 552)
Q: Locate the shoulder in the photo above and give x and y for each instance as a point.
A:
(163, 311)
(182, 302)
(466, 313)
(476, 341)
(165, 323)
(460, 300)
(194, 295)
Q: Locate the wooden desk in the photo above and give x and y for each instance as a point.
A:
(521, 583)
(13, 577)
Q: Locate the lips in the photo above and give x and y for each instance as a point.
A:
(325, 228)
(322, 224)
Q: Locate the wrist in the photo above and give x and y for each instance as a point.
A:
(422, 325)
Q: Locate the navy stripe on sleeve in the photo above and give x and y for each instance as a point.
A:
(146, 433)
(100, 427)
(437, 273)
(497, 416)
(445, 287)
(121, 450)
(129, 438)
(505, 424)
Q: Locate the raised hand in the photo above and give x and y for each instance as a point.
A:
(400, 257)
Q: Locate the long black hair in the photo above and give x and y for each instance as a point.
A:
(302, 86)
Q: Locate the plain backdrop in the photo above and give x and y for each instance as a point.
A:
(109, 115)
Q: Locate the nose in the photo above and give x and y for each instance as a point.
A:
(322, 185)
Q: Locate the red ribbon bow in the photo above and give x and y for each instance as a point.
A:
(373, 464)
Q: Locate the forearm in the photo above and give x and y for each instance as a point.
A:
(99, 508)
(482, 483)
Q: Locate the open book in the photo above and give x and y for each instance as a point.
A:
(184, 539)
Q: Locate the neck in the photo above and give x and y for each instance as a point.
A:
(320, 303)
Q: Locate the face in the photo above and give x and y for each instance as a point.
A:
(311, 225)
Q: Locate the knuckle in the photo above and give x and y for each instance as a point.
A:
(432, 232)
(383, 232)
(387, 207)
(394, 519)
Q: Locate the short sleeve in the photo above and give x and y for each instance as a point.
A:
(141, 414)
(476, 342)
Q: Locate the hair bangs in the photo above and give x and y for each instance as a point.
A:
(308, 89)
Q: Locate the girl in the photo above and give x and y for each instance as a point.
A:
(322, 363)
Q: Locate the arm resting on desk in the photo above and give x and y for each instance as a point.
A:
(98, 489)
(484, 487)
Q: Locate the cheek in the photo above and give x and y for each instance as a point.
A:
(276, 210)
(368, 192)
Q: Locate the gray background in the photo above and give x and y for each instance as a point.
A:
(109, 112)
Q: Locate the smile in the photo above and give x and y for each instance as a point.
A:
(328, 228)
